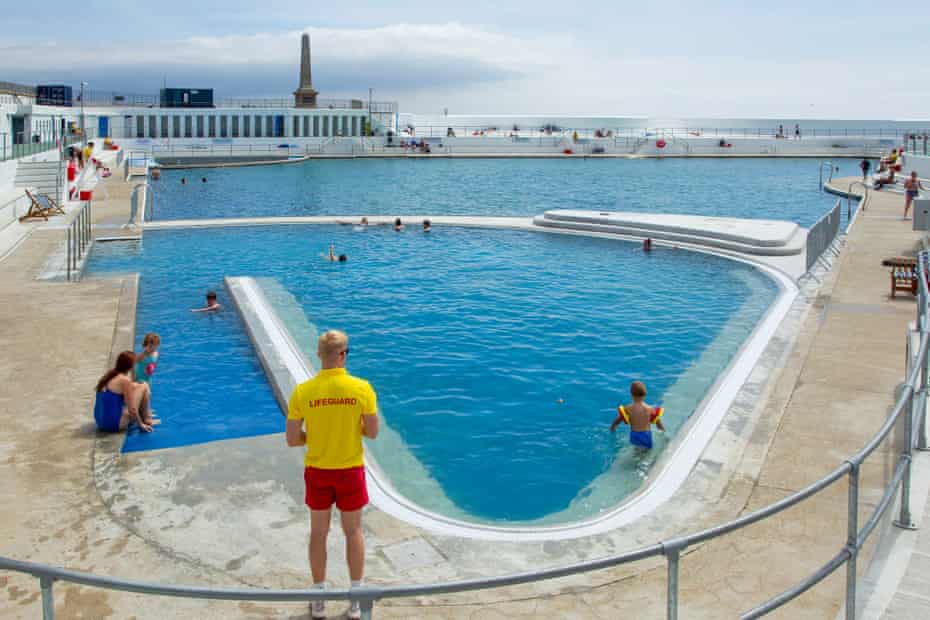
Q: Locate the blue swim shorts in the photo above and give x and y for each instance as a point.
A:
(642, 439)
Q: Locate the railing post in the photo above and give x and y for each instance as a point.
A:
(48, 598)
(68, 244)
(672, 551)
(922, 327)
(673, 557)
(904, 520)
(852, 536)
(924, 378)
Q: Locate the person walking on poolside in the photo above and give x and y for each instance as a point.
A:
(912, 187)
(797, 131)
(639, 416)
(329, 414)
(865, 165)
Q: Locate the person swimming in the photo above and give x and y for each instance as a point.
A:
(331, 257)
(212, 305)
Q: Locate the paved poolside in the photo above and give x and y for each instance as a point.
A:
(69, 502)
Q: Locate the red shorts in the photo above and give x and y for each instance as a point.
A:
(345, 487)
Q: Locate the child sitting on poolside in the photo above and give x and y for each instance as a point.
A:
(639, 416)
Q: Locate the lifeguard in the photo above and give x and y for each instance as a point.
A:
(329, 414)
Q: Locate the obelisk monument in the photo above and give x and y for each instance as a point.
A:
(305, 96)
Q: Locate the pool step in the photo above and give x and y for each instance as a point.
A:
(284, 362)
(749, 236)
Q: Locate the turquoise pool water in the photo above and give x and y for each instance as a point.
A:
(498, 356)
(751, 187)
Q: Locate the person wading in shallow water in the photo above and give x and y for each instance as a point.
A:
(329, 414)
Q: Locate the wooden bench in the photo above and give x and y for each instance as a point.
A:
(903, 274)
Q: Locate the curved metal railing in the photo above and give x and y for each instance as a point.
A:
(910, 404)
(849, 197)
(831, 167)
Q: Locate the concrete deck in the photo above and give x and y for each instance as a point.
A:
(229, 513)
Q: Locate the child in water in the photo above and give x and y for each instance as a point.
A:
(640, 416)
(147, 360)
(212, 305)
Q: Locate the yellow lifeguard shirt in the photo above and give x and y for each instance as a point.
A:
(332, 405)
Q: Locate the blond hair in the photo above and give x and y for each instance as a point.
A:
(332, 343)
(151, 338)
(638, 389)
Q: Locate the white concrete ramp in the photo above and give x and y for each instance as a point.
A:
(748, 236)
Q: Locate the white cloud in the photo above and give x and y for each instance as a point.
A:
(398, 44)
(471, 69)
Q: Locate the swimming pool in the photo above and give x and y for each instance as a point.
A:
(471, 338)
(772, 188)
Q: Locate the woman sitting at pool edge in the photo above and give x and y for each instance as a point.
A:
(120, 400)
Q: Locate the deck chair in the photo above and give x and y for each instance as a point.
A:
(41, 206)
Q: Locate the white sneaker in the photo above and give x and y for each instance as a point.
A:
(318, 610)
(354, 612)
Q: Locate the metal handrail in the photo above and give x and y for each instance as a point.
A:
(906, 404)
(79, 240)
(849, 197)
(822, 164)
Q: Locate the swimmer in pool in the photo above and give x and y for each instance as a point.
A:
(640, 416)
(332, 255)
(212, 305)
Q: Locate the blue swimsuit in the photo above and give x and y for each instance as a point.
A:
(108, 410)
(641, 438)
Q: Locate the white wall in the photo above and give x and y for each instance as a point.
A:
(330, 121)
(920, 163)
(7, 175)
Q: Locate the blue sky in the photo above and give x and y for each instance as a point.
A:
(851, 60)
